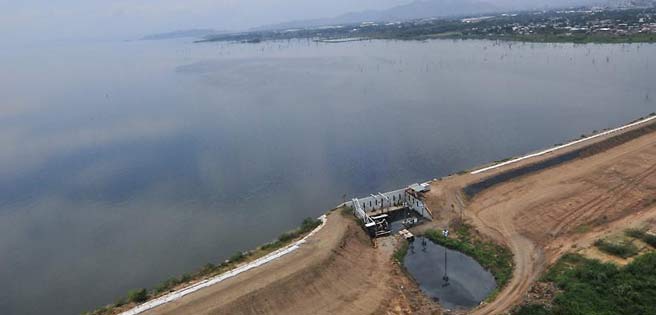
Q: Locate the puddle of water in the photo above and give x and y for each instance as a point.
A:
(468, 282)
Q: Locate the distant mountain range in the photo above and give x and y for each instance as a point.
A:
(417, 10)
(192, 33)
(433, 8)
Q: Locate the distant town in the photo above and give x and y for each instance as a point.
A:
(578, 25)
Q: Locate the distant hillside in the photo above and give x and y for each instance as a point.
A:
(437, 8)
(415, 10)
(193, 33)
(637, 3)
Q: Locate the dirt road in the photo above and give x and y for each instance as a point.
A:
(542, 215)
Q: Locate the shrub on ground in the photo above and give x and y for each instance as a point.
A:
(624, 249)
(642, 235)
(400, 253)
(532, 309)
(166, 285)
(592, 287)
(236, 257)
(138, 295)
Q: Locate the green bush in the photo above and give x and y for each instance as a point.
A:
(567, 262)
(207, 269)
(532, 309)
(120, 302)
(309, 224)
(138, 295)
(236, 257)
(649, 239)
(642, 235)
(271, 245)
(166, 286)
(624, 249)
(592, 287)
(400, 253)
(185, 278)
(288, 236)
(635, 233)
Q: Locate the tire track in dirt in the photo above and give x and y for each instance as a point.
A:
(603, 200)
(534, 215)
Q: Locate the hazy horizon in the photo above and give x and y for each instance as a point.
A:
(34, 20)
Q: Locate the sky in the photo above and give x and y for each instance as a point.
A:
(30, 20)
(47, 20)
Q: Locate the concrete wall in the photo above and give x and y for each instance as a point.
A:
(419, 206)
(376, 202)
(394, 198)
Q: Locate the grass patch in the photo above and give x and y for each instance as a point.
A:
(493, 257)
(643, 236)
(399, 253)
(583, 228)
(567, 262)
(624, 249)
(591, 287)
(138, 296)
(532, 309)
(346, 211)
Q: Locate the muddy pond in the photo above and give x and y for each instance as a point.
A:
(468, 282)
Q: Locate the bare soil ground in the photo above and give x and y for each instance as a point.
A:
(542, 215)
(539, 216)
(337, 272)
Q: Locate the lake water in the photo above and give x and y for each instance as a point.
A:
(468, 282)
(126, 163)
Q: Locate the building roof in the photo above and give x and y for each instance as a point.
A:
(419, 188)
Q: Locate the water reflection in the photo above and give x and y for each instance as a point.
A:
(123, 164)
(454, 279)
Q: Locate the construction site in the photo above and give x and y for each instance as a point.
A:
(534, 206)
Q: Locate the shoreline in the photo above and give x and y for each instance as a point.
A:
(177, 294)
(643, 120)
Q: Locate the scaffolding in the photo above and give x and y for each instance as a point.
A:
(376, 226)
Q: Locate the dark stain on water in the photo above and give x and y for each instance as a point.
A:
(468, 282)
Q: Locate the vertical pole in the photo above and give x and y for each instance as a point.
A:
(446, 277)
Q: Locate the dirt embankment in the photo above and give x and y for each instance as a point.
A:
(539, 215)
(543, 214)
(337, 272)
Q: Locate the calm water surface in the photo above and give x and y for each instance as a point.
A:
(126, 163)
(468, 282)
